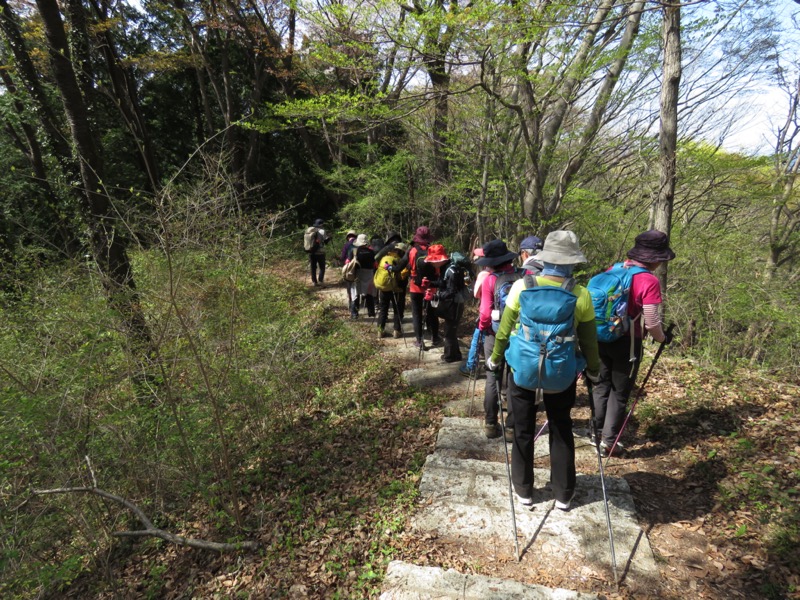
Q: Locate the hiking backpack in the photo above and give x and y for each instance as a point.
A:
(609, 291)
(543, 352)
(418, 264)
(502, 285)
(385, 280)
(350, 270)
(311, 239)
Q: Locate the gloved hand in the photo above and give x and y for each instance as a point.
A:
(426, 283)
(593, 377)
(428, 295)
(389, 268)
(491, 365)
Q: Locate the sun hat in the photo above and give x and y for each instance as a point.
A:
(436, 253)
(393, 236)
(531, 243)
(361, 240)
(495, 253)
(350, 234)
(561, 248)
(423, 235)
(651, 247)
(318, 223)
(400, 247)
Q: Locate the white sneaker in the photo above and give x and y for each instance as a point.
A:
(525, 501)
(564, 505)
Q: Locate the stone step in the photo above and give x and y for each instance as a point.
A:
(409, 582)
(467, 499)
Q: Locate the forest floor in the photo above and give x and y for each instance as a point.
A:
(713, 464)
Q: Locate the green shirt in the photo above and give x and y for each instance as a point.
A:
(584, 322)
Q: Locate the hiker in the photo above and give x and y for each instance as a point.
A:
(349, 238)
(420, 307)
(477, 338)
(449, 297)
(387, 280)
(314, 240)
(394, 239)
(620, 359)
(363, 286)
(559, 256)
(499, 258)
(376, 243)
(528, 249)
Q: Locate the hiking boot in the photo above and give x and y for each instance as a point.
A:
(397, 334)
(419, 344)
(510, 435)
(564, 505)
(437, 341)
(605, 448)
(465, 371)
(382, 334)
(354, 316)
(492, 430)
(525, 501)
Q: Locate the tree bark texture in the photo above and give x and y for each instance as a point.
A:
(108, 245)
(668, 133)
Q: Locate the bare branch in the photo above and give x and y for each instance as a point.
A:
(150, 530)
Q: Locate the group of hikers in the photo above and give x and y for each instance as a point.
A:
(538, 330)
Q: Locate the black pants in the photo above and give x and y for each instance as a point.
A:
(452, 353)
(491, 400)
(388, 299)
(420, 308)
(562, 444)
(369, 301)
(617, 376)
(317, 260)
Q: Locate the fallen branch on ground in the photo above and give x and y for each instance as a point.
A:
(150, 530)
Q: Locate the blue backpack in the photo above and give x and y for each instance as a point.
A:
(502, 285)
(609, 291)
(543, 352)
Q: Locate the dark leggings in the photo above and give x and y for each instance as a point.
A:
(388, 299)
(617, 376)
(562, 443)
(418, 306)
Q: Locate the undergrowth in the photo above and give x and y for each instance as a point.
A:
(248, 421)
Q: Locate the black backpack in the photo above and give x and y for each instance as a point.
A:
(419, 266)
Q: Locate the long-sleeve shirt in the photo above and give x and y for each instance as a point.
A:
(487, 299)
(584, 322)
(644, 298)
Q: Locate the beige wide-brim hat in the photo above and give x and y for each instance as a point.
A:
(361, 240)
(561, 248)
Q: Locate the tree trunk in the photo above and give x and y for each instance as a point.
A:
(668, 135)
(108, 245)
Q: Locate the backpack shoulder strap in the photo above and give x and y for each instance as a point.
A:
(530, 281)
(569, 284)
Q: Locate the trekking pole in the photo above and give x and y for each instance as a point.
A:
(498, 376)
(602, 482)
(536, 437)
(668, 334)
(422, 339)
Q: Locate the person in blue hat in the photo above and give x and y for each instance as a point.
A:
(528, 249)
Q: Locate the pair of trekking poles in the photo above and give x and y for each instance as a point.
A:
(597, 449)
